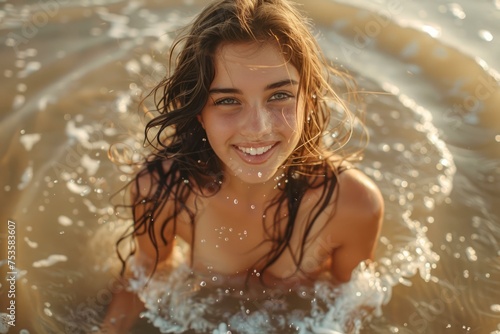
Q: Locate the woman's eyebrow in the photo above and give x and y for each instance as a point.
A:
(279, 84)
(282, 83)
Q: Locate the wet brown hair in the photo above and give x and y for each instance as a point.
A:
(176, 135)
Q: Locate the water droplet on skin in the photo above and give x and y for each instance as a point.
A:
(214, 278)
(259, 174)
(235, 201)
(252, 207)
(203, 283)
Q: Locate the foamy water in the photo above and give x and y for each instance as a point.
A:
(69, 95)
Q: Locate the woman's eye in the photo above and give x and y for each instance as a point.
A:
(280, 96)
(225, 101)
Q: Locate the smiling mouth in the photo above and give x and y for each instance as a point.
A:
(254, 151)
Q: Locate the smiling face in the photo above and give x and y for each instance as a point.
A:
(253, 117)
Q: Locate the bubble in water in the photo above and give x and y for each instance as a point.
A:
(384, 147)
(485, 35)
(466, 273)
(471, 254)
(495, 308)
(21, 87)
(429, 202)
(457, 11)
(65, 221)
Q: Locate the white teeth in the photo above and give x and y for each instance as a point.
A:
(255, 150)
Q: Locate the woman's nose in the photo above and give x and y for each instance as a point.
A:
(257, 122)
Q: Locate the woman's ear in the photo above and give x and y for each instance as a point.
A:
(200, 119)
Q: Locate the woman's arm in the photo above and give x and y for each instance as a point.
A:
(123, 311)
(359, 216)
(125, 307)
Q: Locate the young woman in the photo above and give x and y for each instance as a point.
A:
(241, 170)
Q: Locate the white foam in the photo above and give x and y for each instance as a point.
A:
(26, 177)
(31, 244)
(4, 322)
(50, 261)
(176, 302)
(90, 164)
(79, 189)
(30, 140)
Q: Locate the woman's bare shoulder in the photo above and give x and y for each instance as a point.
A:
(356, 223)
(358, 194)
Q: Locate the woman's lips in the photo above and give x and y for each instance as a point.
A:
(255, 154)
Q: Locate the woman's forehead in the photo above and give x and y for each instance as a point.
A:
(253, 58)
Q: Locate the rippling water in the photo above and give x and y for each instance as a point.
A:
(71, 75)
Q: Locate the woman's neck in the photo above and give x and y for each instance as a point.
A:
(253, 193)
